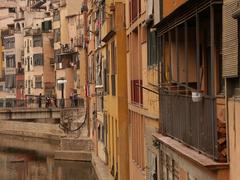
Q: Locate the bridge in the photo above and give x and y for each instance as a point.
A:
(30, 114)
(25, 110)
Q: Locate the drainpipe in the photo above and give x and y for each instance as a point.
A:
(159, 81)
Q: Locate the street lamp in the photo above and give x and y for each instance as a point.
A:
(62, 82)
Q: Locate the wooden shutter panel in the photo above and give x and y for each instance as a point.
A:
(230, 64)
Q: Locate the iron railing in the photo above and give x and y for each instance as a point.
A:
(193, 123)
(33, 102)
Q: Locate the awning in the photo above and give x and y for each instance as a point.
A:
(182, 14)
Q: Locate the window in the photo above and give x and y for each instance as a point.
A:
(99, 132)
(152, 59)
(28, 49)
(57, 35)
(113, 79)
(9, 43)
(100, 103)
(56, 15)
(136, 91)
(169, 168)
(137, 134)
(152, 165)
(113, 57)
(11, 10)
(10, 81)
(38, 59)
(99, 68)
(10, 61)
(46, 26)
(106, 81)
(134, 9)
(37, 41)
(103, 134)
(106, 72)
(38, 81)
(91, 69)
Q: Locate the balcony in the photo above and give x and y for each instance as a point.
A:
(67, 49)
(78, 41)
(36, 4)
(107, 31)
(192, 123)
(32, 32)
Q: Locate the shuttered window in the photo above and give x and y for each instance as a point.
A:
(46, 26)
(38, 59)
(230, 65)
(37, 41)
(152, 60)
(38, 81)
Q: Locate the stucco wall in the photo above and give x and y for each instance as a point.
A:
(234, 136)
(187, 169)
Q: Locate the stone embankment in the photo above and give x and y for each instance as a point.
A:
(66, 148)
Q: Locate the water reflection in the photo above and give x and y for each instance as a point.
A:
(27, 164)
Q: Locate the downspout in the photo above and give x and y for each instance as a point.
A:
(158, 57)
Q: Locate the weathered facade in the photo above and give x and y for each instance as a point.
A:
(142, 72)
(192, 106)
(67, 33)
(39, 77)
(108, 85)
(230, 73)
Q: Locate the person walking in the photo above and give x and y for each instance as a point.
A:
(55, 101)
(40, 100)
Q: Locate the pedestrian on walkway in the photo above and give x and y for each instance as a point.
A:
(40, 100)
(55, 101)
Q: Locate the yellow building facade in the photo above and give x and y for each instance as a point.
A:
(111, 125)
(142, 74)
(1, 56)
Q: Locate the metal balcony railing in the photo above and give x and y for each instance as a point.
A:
(192, 123)
(33, 102)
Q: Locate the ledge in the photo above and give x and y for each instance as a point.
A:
(190, 154)
(73, 155)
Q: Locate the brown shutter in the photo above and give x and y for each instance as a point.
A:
(230, 40)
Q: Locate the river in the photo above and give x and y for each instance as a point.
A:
(33, 159)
